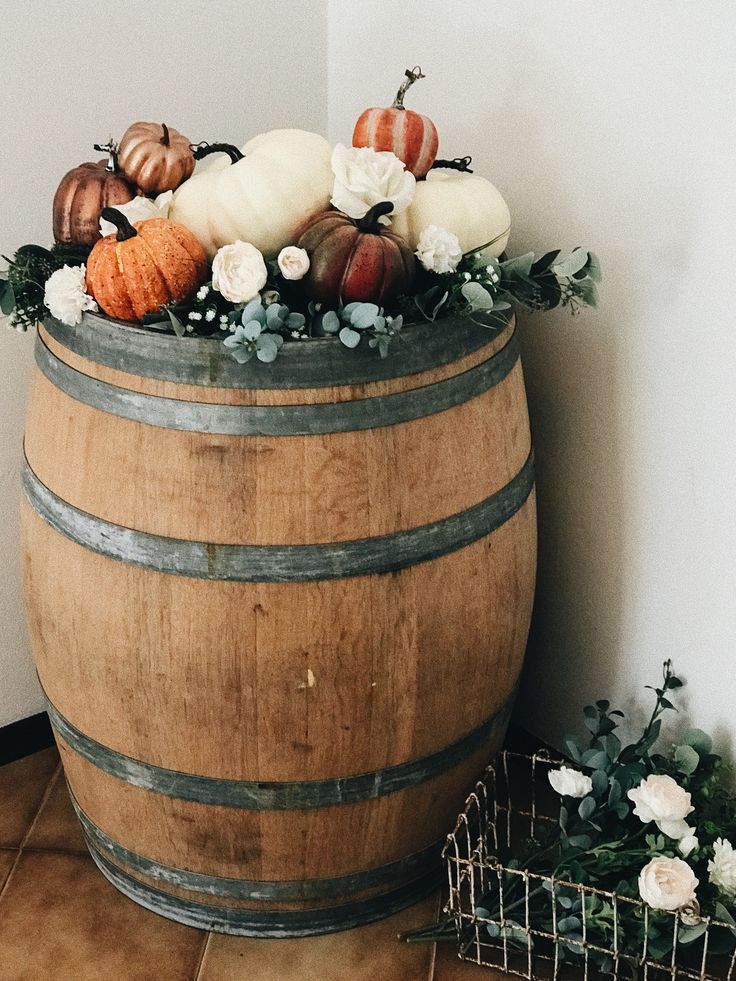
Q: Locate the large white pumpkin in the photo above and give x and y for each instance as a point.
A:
(466, 204)
(283, 179)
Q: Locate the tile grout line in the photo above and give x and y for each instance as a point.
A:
(205, 946)
(46, 794)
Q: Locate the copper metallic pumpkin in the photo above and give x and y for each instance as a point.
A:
(411, 136)
(355, 260)
(155, 156)
(81, 196)
(145, 265)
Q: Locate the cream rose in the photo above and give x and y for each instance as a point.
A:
(570, 783)
(667, 883)
(687, 845)
(364, 177)
(140, 209)
(239, 272)
(293, 262)
(661, 799)
(722, 867)
(439, 250)
(65, 294)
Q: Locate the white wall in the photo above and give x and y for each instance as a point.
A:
(72, 73)
(609, 125)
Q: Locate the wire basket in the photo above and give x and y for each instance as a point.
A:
(513, 802)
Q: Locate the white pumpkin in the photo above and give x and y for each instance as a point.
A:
(283, 179)
(466, 204)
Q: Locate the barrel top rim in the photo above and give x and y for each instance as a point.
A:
(317, 362)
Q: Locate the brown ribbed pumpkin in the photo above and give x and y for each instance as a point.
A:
(355, 259)
(82, 194)
(411, 136)
(152, 262)
(158, 158)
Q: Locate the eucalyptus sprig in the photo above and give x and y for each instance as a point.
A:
(23, 284)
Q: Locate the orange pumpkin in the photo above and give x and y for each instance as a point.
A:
(355, 259)
(82, 194)
(156, 157)
(145, 265)
(411, 136)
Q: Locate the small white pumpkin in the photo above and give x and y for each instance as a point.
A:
(466, 204)
(283, 179)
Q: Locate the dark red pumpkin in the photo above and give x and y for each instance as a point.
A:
(355, 259)
(83, 193)
(411, 136)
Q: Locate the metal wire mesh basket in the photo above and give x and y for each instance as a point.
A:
(513, 802)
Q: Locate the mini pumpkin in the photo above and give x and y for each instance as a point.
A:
(355, 259)
(143, 266)
(156, 157)
(411, 136)
(462, 202)
(82, 194)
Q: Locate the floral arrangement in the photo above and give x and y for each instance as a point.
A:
(639, 863)
(287, 240)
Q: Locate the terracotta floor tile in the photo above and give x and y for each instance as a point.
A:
(22, 786)
(61, 920)
(7, 857)
(56, 826)
(370, 953)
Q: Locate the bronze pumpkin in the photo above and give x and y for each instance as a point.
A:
(82, 194)
(355, 259)
(155, 156)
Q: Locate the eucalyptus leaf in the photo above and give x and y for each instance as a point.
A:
(571, 263)
(364, 316)
(520, 265)
(7, 298)
(477, 296)
(349, 337)
(586, 808)
(686, 760)
(600, 782)
(330, 322)
(580, 841)
(699, 740)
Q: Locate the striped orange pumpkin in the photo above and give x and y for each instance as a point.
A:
(408, 134)
(145, 265)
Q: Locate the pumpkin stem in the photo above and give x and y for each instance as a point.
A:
(165, 139)
(118, 219)
(111, 149)
(459, 163)
(369, 222)
(201, 150)
(412, 75)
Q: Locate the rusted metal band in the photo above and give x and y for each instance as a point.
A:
(314, 418)
(273, 924)
(279, 795)
(281, 563)
(203, 361)
(335, 887)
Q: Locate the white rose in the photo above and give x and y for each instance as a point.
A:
(660, 798)
(364, 177)
(722, 867)
(65, 294)
(688, 844)
(667, 883)
(439, 250)
(293, 262)
(570, 783)
(239, 272)
(140, 209)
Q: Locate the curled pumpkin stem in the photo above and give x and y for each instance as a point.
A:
(412, 75)
(165, 139)
(200, 150)
(458, 163)
(118, 219)
(369, 222)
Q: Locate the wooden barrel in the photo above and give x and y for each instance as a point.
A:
(278, 611)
